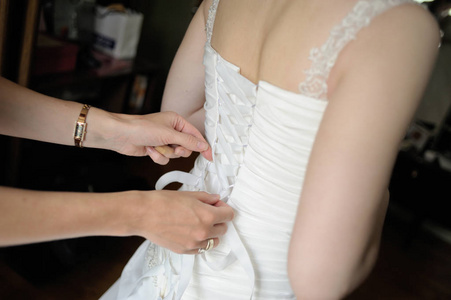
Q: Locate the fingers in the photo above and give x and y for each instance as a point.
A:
(194, 218)
(223, 214)
(193, 143)
(209, 244)
(186, 137)
(191, 138)
(165, 150)
(206, 198)
(203, 245)
(156, 156)
(221, 204)
(219, 230)
(221, 211)
(184, 126)
(173, 152)
(216, 243)
(182, 151)
(207, 154)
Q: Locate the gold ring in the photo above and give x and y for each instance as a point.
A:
(210, 244)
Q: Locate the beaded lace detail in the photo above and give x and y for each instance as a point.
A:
(211, 19)
(324, 58)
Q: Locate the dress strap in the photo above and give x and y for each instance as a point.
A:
(211, 20)
(323, 58)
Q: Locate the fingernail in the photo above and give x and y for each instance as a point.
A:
(202, 146)
(179, 152)
(150, 149)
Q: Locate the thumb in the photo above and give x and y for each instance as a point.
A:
(211, 199)
(193, 143)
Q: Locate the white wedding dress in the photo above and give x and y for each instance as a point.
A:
(261, 136)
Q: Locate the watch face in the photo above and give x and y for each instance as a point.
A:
(79, 131)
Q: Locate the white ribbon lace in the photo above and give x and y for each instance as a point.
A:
(238, 251)
(228, 122)
(230, 118)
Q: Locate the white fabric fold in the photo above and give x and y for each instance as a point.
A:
(261, 138)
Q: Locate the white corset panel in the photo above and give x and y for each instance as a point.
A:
(270, 133)
(261, 137)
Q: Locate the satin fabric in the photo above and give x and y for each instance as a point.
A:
(261, 138)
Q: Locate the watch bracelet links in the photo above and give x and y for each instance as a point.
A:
(81, 126)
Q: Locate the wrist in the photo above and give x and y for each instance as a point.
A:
(125, 213)
(80, 126)
(102, 127)
(131, 210)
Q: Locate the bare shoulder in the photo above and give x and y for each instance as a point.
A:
(410, 20)
(405, 35)
(391, 58)
(401, 36)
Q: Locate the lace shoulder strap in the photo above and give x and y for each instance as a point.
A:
(211, 20)
(323, 58)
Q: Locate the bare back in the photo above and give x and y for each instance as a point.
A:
(305, 177)
(271, 40)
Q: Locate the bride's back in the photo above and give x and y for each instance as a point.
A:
(271, 40)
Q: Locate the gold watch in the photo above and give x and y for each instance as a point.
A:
(80, 126)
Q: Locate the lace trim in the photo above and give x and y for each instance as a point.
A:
(211, 20)
(324, 58)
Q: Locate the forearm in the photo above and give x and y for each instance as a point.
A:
(197, 118)
(179, 221)
(34, 216)
(27, 114)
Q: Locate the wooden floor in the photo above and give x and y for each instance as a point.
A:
(419, 268)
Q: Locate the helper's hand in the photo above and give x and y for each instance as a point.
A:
(182, 221)
(173, 136)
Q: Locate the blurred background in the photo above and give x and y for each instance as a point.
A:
(116, 55)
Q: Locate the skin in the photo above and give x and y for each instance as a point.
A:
(126, 134)
(180, 221)
(374, 90)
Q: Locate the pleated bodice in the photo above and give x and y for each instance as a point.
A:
(261, 137)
